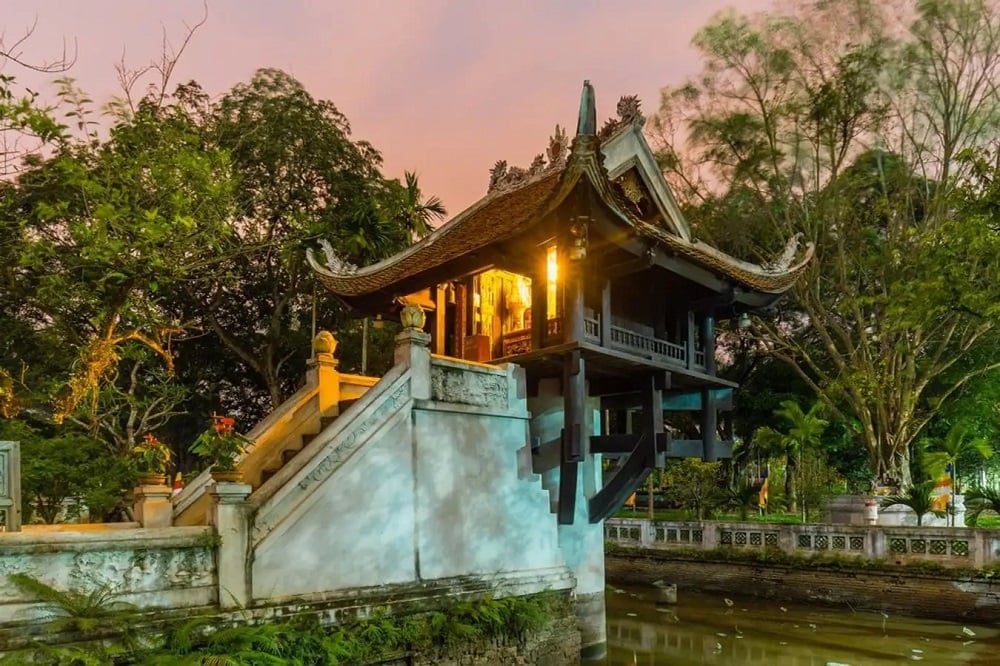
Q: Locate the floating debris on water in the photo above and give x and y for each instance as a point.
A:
(968, 632)
(729, 602)
(783, 609)
(967, 643)
(719, 633)
(632, 614)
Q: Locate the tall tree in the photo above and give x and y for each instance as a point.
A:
(834, 123)
(300, 177)
(103, 229)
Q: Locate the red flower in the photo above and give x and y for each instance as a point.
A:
(223, 424)
(151, 439)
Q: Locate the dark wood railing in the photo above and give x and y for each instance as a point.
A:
(622, 339)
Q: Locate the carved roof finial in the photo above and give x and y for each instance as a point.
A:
(586, 123)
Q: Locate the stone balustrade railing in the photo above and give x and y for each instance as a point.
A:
(960, 547)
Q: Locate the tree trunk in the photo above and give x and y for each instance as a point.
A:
(790, 495)
(649, 500)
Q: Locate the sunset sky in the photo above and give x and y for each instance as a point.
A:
(441, 88)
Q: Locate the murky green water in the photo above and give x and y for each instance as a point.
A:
(705, 629)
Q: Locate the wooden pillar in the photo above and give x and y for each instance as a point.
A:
(573, 317)
(708, 341)
(689, 342)
(606, 314)
(574, 404)
(709, 422)
(461, 318)
(440, 332)
(539, 306)
(659, 299)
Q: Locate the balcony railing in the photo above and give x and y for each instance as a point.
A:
(622, 339)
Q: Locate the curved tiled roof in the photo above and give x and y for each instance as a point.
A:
(501, 214)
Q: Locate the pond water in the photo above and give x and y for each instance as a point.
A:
(706, 629)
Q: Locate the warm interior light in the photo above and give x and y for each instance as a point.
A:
(552, 265)
(378, 323)
(552, 272)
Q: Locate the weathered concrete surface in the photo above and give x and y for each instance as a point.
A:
(582, 543)
(409, 489)
(907, 593)
(150, 568)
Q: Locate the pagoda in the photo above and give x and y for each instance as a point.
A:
(582, 270)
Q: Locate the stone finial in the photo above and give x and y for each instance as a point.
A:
(586, 122)
(412, 316)
(324, 343)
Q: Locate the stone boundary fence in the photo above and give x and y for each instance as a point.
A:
(950, 546)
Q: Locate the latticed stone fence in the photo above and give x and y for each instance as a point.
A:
(954, 546)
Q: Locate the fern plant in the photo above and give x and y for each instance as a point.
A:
(83, 612)
(917, 498)
(980, 500)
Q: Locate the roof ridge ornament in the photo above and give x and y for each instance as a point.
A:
(504, 177)
(334, 265)
(629, 115)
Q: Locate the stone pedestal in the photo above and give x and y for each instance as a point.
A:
(152, 506)
(413, 351)
(852, 510)
(229, 517)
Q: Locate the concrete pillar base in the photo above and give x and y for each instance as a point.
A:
(590, 613)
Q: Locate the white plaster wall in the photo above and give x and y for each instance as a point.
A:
(150, 568)
(357, 530)
(478, 510)
(581, 543)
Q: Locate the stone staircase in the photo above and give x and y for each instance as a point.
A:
(288, 453)
(286, 431)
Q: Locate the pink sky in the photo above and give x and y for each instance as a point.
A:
(441, 88)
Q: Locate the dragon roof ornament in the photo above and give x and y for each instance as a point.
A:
(629, 115)
(504, 177)
(334, 265)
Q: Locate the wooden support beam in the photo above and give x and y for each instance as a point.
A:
(606, 313)
(689, 340)
(440, 332)
(619, 445)
(574, 399)
(609, 499)
(461, 317)
(708, 341)
(539, 306)
(573, 328)
(709, 423)
(567, 492)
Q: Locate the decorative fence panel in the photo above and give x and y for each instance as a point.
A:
(957, 546)
(10, 486)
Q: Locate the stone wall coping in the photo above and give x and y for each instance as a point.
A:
(437, 406)
(44, 528)
(471, 366)
(17, 543)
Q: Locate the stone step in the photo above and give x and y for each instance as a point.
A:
(288, 454)
(325, 421)
(267, 474)
(308, 437)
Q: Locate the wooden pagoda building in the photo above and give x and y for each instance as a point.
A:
(582, 267)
